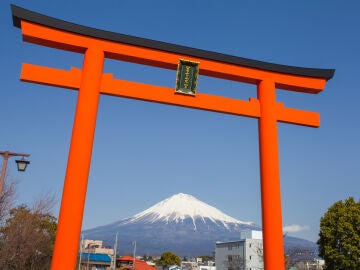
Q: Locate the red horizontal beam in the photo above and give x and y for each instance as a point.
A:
(141, 91)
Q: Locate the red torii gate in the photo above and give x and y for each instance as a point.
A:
(96, 45)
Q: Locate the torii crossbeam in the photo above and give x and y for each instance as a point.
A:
(96, 45)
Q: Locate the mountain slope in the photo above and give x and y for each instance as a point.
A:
(181, 224)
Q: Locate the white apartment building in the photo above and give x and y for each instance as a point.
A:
(95, 246)
(243, 254)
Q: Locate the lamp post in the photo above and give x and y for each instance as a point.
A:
(21, 165)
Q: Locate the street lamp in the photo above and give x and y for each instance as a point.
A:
(21, 165)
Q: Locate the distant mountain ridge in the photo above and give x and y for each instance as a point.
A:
(181, 224)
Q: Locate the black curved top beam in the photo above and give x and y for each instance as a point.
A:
(19, 14)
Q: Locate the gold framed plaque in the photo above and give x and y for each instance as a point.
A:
(187, 77)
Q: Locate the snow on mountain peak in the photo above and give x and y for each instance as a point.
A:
(181, 206)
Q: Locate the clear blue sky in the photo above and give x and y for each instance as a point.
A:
(146, 152)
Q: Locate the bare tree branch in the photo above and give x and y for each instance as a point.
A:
(7, 200)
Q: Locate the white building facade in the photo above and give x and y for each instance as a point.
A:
(243, 254)
(95, 246)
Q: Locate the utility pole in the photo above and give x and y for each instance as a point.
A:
(134, 254)
(80, 253)
(113, 259)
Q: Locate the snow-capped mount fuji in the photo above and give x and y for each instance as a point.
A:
(181, 207)
(181, 224)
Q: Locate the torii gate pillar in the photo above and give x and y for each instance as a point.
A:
(270, 177)
(76, 178)
(91, 82)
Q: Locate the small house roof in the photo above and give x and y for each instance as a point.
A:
(139, 264)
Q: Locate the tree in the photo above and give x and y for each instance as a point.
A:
(206, 258)
(27, 237)
(168, 258)
(298, 256)
(147, 258)
(339, 242)
(6, 201)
